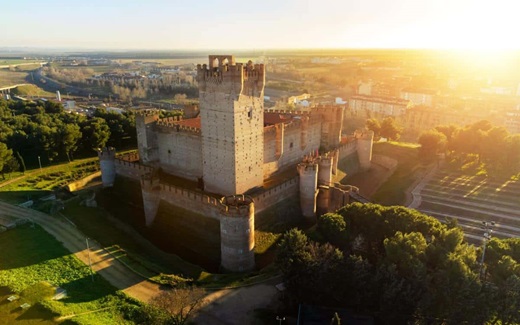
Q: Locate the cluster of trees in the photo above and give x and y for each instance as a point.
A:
(492, 145)
(171, 307)
(69, 76)
(387, 128)
(127, 88)
(400, 266)
(29, 130)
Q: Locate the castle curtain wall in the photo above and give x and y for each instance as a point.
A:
(180, 153)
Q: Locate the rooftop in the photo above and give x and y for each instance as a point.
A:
(192, 122)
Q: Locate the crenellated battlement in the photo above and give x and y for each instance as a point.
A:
(129, 156)
(307, 166)
(169, 120)
(106, 153)
(282, 111)
(223, 74)
(168, 189)
(147, 112)
(275, 191)
(237, 205)
(364, 134)
(175, 127)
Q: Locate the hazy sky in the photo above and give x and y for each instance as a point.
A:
(268, 24)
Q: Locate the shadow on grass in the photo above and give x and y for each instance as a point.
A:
(17, 197)
(28, 245)
(85, 289)
(36, 312)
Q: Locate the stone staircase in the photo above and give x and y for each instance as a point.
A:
(473, 200)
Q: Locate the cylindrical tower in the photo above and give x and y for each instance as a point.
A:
(151, 190)
(322, 205)
(308, 171)
(325, 171)
(107, 164)
(365, 140)
(237, 233)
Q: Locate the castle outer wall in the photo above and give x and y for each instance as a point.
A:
(231, 149)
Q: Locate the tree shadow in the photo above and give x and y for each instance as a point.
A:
(36, 312)
(87, 289)
(28, 245)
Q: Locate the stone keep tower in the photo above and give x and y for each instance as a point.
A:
(231, 100)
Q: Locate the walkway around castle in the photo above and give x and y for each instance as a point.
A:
(76, 242)
(228, 306)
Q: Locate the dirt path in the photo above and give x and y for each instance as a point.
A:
(236, 306)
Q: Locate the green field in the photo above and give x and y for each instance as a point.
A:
(11, 78)
(33, 263)
(17, 61)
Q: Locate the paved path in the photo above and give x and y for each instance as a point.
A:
(416, 192)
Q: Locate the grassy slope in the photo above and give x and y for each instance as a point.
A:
(32, 90)
(36, 183)
(393, 191)
(10, 78)
(30, 256)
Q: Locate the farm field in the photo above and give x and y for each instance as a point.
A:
(11, 78)
(471, 200)
(5, 61)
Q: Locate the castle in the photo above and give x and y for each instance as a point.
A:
(242, 157)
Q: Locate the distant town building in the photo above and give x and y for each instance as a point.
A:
(425, 97)
(372, 106)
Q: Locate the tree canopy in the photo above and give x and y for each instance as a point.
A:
(45, 130)
(399, 266)
(492, 146)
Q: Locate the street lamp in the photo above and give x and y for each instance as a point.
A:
(89, 262)
(40, 163)
(488, 229)
(280, 319)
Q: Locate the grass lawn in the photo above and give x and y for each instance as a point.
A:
(35, 183)
(33, 263)
(393, 191)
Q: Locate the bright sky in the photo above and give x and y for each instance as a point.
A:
(266, 24)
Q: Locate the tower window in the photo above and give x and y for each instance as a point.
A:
(250, 113)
